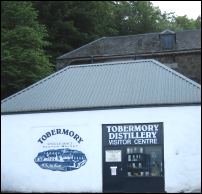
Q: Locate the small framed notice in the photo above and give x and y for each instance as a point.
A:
(113, 156)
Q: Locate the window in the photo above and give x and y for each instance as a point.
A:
(144, 161)
(168, 41)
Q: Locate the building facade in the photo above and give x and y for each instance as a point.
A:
(180, 51)
(104, 127)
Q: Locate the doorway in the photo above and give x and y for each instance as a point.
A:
(132, 165)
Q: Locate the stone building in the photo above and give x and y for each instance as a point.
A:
(179, 50)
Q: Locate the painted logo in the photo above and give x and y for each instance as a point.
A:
(61, 159)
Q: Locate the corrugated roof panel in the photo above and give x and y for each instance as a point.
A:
(140, 82)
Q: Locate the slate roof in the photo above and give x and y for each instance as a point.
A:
(135, 44)
(123, 83)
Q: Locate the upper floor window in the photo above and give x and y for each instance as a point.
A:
(168, 40)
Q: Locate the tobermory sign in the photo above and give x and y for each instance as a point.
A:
(58, 151)
(132, 134)
(60, 131)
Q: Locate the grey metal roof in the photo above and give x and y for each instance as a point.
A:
(126, 83)
(135, 44)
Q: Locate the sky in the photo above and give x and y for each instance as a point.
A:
(190, 8)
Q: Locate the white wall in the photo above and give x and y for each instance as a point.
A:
(19, 147)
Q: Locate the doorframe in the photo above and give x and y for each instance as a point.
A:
(123, 150)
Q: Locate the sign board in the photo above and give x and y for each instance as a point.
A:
(133, 134)
(58, 149)
(113, 156)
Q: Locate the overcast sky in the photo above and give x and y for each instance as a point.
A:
(190, 8)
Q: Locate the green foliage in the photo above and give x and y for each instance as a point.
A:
(71, 24)
(134, 17)
(198, 22)
(179, 23)
(183, 22)
(23, 59)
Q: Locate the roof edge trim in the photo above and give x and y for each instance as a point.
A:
(103, 108)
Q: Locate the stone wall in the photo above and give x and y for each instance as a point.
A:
(187, 64)
(190, 66)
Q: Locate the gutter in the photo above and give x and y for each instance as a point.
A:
(131, 55)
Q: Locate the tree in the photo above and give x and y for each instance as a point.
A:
(71, 24)
(198, 22)
(23, 60)
(135, 17)
(184, 23)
